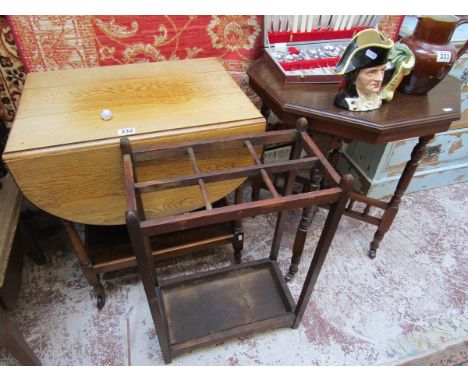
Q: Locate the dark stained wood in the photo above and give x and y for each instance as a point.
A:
(29, 242)
(85, 262)
(114, 251)
(393, 206)
(328, 232)
(296, 149)
(248, 209)
(263, 173)
(365, 199)
(14, 342)
(204, 308)
(201, 182)
(358, 215)
(128, 170)
(238, 242)
(11, 286)
(142, 246)
(304, 224)
(227, 143)
(225, 299)
(110, 248)
(134, 201)
(406, 116)
(282, 321)
(330, 173)
(216, 176)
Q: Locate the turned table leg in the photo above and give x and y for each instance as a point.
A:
(304, 224)
(393, 206)
(238, 242)
(85, 263)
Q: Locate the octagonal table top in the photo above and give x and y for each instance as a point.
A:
(406, 116)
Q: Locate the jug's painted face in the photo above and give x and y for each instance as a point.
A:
(369, 80)
(362, 65)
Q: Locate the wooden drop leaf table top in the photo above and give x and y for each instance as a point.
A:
(66, 159)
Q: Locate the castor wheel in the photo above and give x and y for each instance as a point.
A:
(293, 268)
(101, 300)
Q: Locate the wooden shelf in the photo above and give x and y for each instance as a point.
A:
(110, 249)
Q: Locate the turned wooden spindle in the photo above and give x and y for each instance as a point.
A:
(304, 224)
(403, 183)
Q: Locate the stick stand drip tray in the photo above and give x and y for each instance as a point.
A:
(224, 303)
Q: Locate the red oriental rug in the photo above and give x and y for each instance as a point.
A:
(12, 74)
(60, 42)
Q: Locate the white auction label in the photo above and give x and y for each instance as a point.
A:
(443, 55)
(371, 54)
(126, 131)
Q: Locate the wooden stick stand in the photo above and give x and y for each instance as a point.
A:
(209, 307)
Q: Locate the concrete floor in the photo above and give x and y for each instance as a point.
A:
(409, 301)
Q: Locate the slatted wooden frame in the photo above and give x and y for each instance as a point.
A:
(205, 308)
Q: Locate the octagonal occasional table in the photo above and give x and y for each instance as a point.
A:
(406, 116)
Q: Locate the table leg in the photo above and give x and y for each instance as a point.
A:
(336, 146)
(304, 224)
(296, 150)
(393, 206)
(85, 263)
(238, 242)
(29, 241)
(265, 110)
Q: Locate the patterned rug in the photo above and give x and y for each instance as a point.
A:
(410, 301)
(454, 355)
(58, 42)
(12, 75)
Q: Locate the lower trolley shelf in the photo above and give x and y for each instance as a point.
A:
(227, 302)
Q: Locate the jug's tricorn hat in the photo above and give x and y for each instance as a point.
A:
(368, 48)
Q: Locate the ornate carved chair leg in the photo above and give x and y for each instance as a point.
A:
(304, 224)
(85, 263)
(393, 206)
